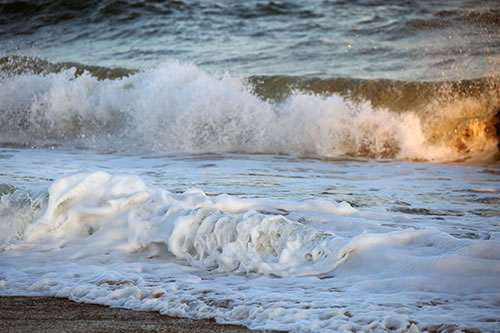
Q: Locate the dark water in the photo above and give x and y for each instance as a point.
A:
(410, 40)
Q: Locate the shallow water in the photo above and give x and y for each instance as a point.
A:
(265, 241)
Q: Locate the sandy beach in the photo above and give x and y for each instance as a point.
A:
(50, 314)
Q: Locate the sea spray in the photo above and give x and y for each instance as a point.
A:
(180, 108)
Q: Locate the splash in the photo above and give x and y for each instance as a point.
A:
(180, 108)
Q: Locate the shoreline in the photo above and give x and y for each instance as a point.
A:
(53, 314)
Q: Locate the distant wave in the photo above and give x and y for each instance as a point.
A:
(425, 41)
(61, 11)
(178, 107)
(17, 65)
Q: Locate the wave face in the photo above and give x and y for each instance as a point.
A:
(179, 108)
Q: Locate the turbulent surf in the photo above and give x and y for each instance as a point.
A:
(163, 110)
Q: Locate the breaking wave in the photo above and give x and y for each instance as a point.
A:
(179, 107)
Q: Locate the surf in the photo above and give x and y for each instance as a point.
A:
(180, 108)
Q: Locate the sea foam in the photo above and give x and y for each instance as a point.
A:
(121, 212)
(115, 240)
(180, 108)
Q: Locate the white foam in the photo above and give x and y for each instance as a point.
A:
(117, 241)
(16, 211)
(180, 108)
(122, 212)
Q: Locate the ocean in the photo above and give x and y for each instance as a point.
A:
(317, 166)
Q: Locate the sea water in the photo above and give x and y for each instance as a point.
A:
(320, 166)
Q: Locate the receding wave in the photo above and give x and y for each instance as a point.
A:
(179, 107)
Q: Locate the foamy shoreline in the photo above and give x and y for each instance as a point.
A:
(51, 314)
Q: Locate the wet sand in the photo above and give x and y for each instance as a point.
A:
(50, 314)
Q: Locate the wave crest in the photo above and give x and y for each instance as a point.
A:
(180, 108)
